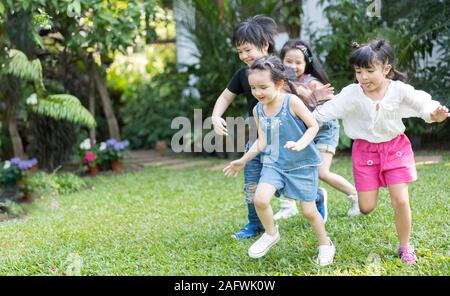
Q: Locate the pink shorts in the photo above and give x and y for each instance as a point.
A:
(380, 164)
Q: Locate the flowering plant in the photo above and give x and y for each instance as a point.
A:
(90, 159)
(88, 155)
(113, 150)
(13, 170)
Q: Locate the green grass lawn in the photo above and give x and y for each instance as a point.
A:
(179, 222)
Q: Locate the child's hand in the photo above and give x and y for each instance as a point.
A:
(234, 167)
(295, 146)
(307, 96)
(219, 125)
(440, 114)
(322, 93)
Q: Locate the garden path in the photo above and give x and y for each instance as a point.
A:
(139, 159)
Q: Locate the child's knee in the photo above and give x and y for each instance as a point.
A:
(250, 190)
(261, 202)
(367, 203)
(309, 212)
(324, 174)
(366, 209)
(400, 202)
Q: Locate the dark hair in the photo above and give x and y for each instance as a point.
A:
(257, 30)
(376, 51)
(313, 65)
(277, 70)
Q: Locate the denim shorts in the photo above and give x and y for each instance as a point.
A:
(327, 139)
(300, 184)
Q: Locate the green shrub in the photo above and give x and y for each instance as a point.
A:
(55, 184)
(12, 209)
(150, 107)
(69, 183)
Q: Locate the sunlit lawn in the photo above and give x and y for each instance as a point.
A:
(179, 222)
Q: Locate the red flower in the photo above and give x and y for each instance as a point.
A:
(89, 157)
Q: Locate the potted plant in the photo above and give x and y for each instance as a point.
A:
(161, 146)
(90, 159)
(112, 153)
(89, 156)
(13, 173)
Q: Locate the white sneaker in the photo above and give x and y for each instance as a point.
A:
(354, 210)
(326, 254)
(288, 209)
(263, 245)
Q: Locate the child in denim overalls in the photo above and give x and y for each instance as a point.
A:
(297, 55)
(286, 129)
(254, 38)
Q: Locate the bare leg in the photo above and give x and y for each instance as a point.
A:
(368, 201)
(333, 179)
(400, 203)
(309, 210)
(263, 196)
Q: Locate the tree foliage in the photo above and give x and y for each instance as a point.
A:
(64, 107)
(420, 36)
(75, 32)
(58, 106)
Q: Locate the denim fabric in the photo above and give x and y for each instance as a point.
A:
(279, 129)
(300, 184)
(252, 173)
(328, 134)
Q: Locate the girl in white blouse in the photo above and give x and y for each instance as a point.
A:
(371, 112)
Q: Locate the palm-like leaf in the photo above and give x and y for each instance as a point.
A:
(59, 106)
(21, 67)
(66, 107)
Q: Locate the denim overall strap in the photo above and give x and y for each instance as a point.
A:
(281, 128)
(259, 110)
(307, 78)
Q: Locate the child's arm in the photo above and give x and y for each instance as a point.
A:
(301, 111)
(222, 103)
(338, 107)
(422, 105)
(313, 95)
(320, 92)
(440, 114)
(259, 145)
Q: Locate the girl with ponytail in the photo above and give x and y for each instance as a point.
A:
(298, 55)
(286, 129)
(254, 38)
(372, 110)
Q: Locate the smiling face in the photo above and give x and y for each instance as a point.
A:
(248, 52)
(263, 87)
(295, 59)
(373, 78)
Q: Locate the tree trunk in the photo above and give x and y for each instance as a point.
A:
(220, 3)
(113, 126)
(92, 135)
(16, 140)
(11, 88)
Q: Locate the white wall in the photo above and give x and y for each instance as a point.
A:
(313, 19)
(186, 49)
